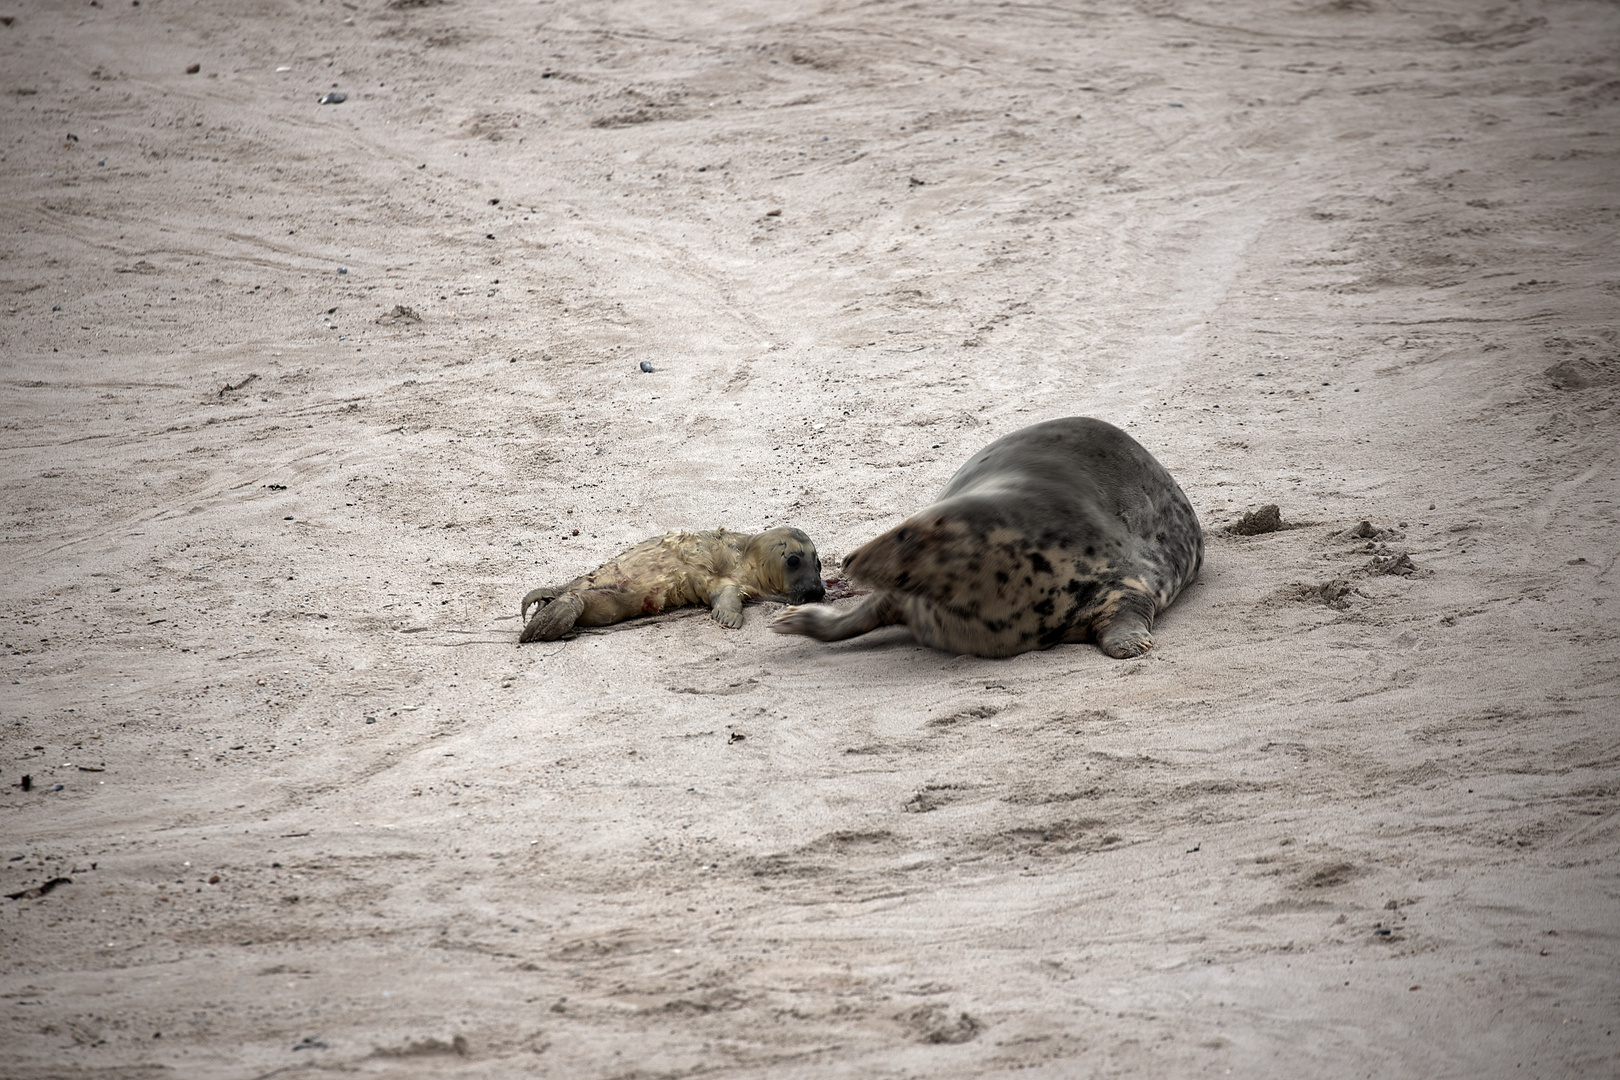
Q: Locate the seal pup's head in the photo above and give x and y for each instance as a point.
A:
(787, 564)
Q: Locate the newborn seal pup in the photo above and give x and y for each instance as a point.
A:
(1062, 531)
(720, 568)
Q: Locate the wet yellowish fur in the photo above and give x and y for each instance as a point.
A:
(722, 569)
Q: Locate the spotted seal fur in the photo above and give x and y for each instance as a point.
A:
(720, 568)
(1064, 531)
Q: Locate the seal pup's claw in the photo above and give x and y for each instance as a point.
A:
(553, 620)
(540, 596)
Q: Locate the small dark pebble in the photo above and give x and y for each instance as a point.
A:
(27, 782)
(336, 97)
(646, 365)
(736, 737)
(192, 69)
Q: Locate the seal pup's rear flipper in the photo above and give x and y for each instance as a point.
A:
(553, 620)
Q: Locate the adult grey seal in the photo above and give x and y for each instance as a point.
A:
(1064, 531)
(719, 568)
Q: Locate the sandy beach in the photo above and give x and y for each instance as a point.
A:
(299, 399)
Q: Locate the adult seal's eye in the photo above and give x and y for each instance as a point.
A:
(793, 562)
(905, 534)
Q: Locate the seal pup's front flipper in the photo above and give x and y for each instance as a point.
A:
(726, 606)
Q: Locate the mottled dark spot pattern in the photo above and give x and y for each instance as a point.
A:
(978, 570)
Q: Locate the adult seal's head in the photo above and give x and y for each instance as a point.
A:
(1064, 531)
